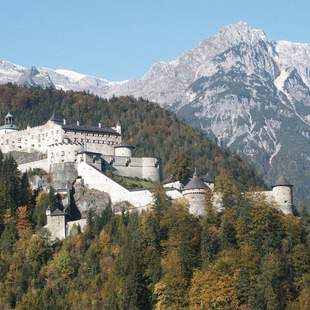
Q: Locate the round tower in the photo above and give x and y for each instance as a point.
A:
(123, 149)
(282, 192)
(194, 192)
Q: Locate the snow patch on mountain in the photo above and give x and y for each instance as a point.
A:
(72, 75)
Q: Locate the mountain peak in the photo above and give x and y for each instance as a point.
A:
(241, 31)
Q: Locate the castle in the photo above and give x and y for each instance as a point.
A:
(73, 153)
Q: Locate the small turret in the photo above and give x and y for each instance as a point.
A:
(194, 191)
(283, 195)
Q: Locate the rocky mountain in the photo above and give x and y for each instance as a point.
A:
(249, 93)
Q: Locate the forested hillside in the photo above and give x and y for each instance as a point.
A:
(250, 256)
(154, 131)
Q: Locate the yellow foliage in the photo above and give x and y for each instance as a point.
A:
(213, 290)
(104, 240)
(171, 290)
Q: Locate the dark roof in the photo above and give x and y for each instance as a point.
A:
(124, 144)
(282, 181)
(195, 183)
(57, 212)
(90, 129)
(208, 178)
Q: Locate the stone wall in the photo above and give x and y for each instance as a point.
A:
(57, 226)
(63, 152)
(95, 179)
(141, 167)
(40, 164)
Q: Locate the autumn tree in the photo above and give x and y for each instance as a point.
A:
(23, 223)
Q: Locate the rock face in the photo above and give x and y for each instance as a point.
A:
(89, 199)
(62, 175)
(249, 93)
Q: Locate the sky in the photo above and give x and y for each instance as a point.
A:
(121, 39)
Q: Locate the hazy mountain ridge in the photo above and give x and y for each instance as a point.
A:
(250, 93)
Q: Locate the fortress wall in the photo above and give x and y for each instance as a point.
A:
(63, 152)
(140, 167)
(151, 169)
(82, 223)
(100, 148)
(123, 151)
(283, 196)
(41, 164)
(173, 194)
(97, 180)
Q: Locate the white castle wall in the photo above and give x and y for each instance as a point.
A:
(142, 167)
(283, 196)
(41, 164)
(123, 151)
(63, 152)
(57, 226)
(173, 193)
(32, 138)
(82, 223)
(95, 179)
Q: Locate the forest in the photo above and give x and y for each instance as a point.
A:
(250, 256)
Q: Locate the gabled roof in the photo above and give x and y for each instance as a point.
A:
(282, 181)
(195, 183)
(57, 212)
